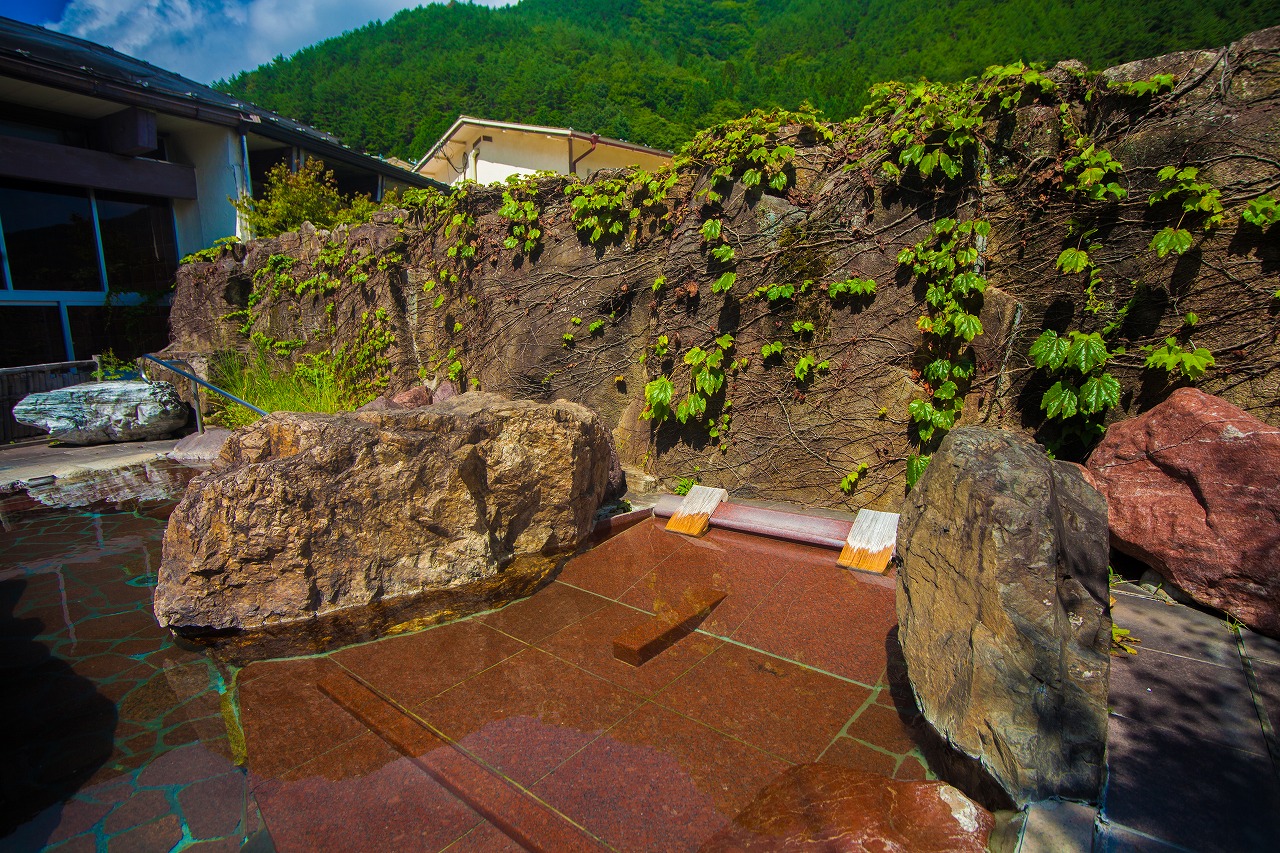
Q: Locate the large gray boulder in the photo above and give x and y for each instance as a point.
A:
(1004, 611)
(102, 412)
(313, 530)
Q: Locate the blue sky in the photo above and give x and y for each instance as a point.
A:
(207, 39)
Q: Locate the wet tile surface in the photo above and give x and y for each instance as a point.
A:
(588, 644)
(572, 706)
(414, 668)
(113, 737)
(545, 613)
(826, 617)
(602, 572)
(788, 710)
(656, 756)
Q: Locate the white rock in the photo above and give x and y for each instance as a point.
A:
(101, 412)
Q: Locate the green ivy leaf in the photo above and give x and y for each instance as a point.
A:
(1099, 393)
(657, 396)
(1049, 350)
(967, 326)
(921, 411)
(1060, 401)
(1086, 352)
(915, 467)
(1262, 212)
(1073, 261)
(711, 230)
(937, 371)
(724, 282)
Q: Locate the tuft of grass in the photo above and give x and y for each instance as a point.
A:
(262, 379)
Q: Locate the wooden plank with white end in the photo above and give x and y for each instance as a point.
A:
(694, 515)
(871, 541)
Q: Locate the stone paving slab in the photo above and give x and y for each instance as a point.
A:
(1189, 748)
(34, 462)
(113, 738)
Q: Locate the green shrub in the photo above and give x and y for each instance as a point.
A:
(308, 195)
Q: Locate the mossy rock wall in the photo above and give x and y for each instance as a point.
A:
(840, 216)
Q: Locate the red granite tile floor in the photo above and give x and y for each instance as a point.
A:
(527, 726)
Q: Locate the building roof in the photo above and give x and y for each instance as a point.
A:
(566, 132)
(47, 58)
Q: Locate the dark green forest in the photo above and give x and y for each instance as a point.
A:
(656, 71)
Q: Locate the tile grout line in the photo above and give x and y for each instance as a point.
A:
(728, 735)
(801, 664)
(654, 568)
(866, 703)
(1268, 729)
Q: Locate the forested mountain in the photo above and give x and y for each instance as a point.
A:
(655, 71)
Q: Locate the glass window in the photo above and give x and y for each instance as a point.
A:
(138, 243)
(32, 335)
(261, 162)
(48, 237)
(126, 330)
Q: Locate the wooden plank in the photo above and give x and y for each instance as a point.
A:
(651, 638)
(694, 515)
(871, 542)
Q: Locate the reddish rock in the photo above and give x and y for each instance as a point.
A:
(825, 807)
(418, 395)
(444, 391)
(1194, 492)
(379, 404)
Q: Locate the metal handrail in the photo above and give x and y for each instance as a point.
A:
(196, 379)
(49, 367)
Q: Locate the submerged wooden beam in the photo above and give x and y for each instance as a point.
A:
(650, 639)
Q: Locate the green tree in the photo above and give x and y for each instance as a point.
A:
(292, 198)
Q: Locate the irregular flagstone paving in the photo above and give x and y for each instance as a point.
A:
(114, 738)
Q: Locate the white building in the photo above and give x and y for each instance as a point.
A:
(112, 169)
(491, 151)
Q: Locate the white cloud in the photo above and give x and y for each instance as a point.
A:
(209, 39)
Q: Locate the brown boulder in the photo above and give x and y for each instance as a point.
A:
(325, 528)
(1194, 490)
(1003, 611)
(826, 807)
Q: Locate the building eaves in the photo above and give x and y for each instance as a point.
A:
(566, 132)
(48, 58)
